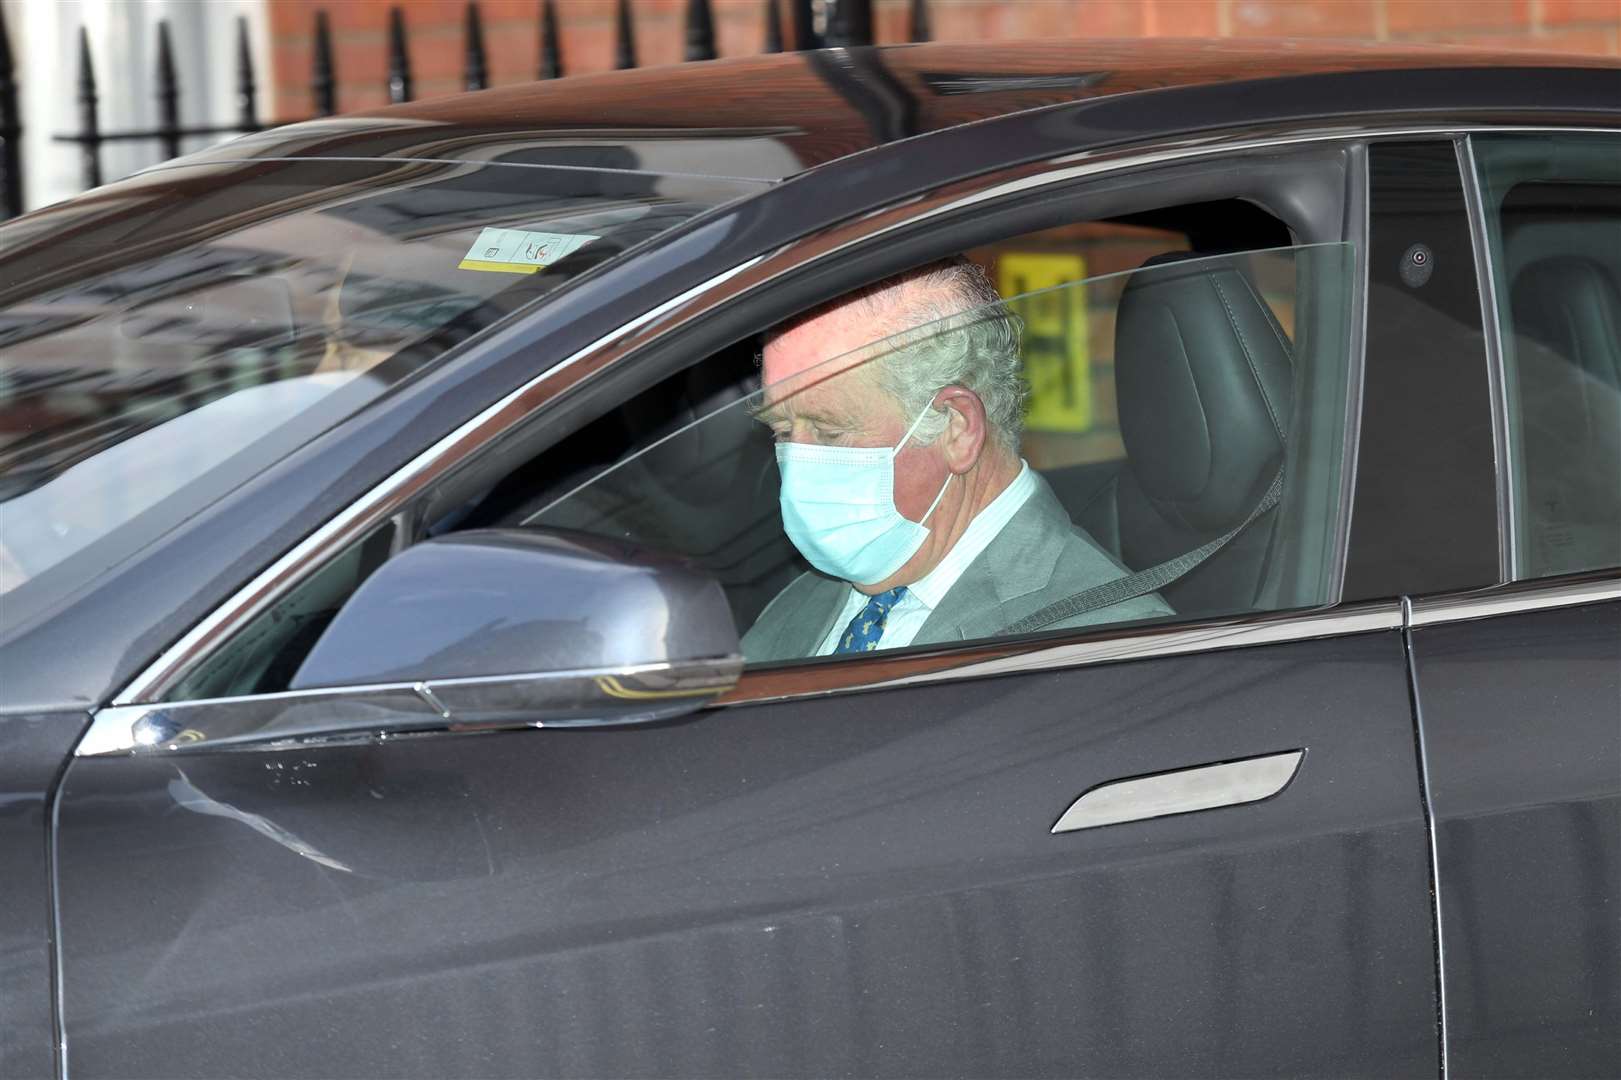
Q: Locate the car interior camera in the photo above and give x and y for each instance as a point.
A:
(1417, 263)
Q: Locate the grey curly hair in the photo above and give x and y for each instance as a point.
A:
(945, 325)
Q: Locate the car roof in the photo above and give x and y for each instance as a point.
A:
(769, 117)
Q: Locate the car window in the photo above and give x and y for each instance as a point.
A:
(1186, 418)
(166, 338)
(1552, 205)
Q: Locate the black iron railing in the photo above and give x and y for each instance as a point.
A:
(11, 130)
(846, 22)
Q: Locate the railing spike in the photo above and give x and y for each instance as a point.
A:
(399, 58)
(861, 25)
(168, 95)
(773, 28)
(11, 158)
(624, 37)
(8, 67)
(837, 34)
(89, 128)
(804, 25)
(478, 76)
(551, 45)
(247, 93)
(700, 31)
(323, 84)
(850, 23)
(921, 30)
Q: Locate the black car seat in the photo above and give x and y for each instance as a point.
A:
(1569, 304)
(684, 467)
(1567, 361)
(1204, 379)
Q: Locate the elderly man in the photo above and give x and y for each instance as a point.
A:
(901, 477)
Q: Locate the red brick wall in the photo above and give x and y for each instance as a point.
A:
(359, 30)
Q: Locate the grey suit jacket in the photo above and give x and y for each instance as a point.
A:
(1038, 558)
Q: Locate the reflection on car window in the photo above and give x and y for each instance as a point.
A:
(1553, 211)
(927, 462)
(176, 333)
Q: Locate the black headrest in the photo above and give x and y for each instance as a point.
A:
(704, 463)
(1569, 304)
(1205, 389)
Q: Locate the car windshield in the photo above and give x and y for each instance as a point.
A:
(164, 339)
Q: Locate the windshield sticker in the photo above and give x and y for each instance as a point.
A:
(519, 251)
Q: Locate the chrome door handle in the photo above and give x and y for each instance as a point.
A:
(1182, 791)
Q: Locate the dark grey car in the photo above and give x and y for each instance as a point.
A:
(383, 504)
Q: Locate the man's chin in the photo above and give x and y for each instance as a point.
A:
(904, 576)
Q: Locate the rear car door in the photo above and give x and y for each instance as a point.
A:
(1196, 847)
(1519, 688)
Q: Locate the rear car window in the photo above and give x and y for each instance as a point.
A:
(165, 338)
(1553, 215)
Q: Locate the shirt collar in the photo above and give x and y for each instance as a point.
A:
(932, 587)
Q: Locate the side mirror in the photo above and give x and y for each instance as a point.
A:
(487, 629)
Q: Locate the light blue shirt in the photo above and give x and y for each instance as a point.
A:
(924, 595)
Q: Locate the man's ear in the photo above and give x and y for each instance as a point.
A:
(964, 437)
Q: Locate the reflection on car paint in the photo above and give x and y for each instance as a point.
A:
(189, 797)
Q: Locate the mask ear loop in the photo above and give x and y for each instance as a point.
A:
(904, 440)
(908, 436)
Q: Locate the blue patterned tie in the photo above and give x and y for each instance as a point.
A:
(868, 626)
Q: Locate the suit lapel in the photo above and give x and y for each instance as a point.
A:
(801, 636)
(1019, 561)
(966, 602)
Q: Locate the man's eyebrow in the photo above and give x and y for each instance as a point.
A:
(769, 414)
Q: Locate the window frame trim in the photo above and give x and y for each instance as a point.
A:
(990, 659)
(396, 493)
(1516, 598)
(1508, 524)
(949, 662)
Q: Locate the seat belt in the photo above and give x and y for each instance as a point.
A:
(1144, 581)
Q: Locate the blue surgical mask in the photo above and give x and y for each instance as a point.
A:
(838, 507)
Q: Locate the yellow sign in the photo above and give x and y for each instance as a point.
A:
(1057, 364)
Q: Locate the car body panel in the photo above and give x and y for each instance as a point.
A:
(864, 885)
(1522, 738)
(34, 751)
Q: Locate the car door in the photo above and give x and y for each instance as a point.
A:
(1519, 688)
(1196, 847)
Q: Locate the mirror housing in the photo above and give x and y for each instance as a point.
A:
(506, 602)
(535, 626)
(495, 628)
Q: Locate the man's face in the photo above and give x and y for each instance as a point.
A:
(821, 389)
